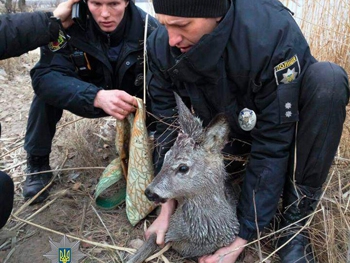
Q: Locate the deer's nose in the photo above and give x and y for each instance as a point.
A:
(151, 196)
(154, 197)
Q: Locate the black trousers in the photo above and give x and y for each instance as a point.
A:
(41, 126)
(6, 197)
(323, 97)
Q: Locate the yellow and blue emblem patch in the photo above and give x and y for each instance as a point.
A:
(287, 71)
(60, 43)
(64, 251)
(64, 255)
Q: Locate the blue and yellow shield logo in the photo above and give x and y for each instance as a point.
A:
(64, 251)
(64, 255)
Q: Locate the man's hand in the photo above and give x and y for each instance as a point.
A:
(64, 12)
(161, 224)
(116, 103)
(227, 254)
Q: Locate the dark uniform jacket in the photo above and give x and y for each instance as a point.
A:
(62, 81)
(20, 33)
(254, 59)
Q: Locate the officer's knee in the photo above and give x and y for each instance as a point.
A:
(331, 81)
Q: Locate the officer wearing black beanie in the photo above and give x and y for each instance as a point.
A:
(194, 8)
(249, 60)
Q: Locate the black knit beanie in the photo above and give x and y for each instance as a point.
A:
(191, 8)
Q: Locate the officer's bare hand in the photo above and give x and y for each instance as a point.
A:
(161, 224)
(116, 103)
(64, 12)
(227, 254)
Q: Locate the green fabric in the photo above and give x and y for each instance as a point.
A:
(110, 176)
(135, 161)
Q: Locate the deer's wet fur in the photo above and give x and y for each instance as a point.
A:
(194, 175)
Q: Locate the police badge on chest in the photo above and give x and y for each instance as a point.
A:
(247, 119)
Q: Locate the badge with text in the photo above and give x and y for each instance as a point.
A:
(287, 71)
(247, 119)
(64, 251)
(60, 43)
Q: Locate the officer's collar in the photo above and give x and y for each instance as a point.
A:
(134, 29)
(202, 59)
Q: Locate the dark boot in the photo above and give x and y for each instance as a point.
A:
(36, 182)
(297, 204)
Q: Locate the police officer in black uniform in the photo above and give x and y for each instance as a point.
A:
(20, 33)
(94, 70)
(249, 60)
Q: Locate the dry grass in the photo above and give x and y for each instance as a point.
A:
(90, 142)
(326, 26)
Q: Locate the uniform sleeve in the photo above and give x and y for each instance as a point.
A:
(163, 104)
(20, 33)
(56, 81)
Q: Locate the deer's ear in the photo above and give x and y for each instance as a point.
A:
(216, 134)
(189, 124)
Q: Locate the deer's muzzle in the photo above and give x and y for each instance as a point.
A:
(154, 197)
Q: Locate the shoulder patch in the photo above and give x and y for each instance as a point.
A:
(60, 43)
(287, 71)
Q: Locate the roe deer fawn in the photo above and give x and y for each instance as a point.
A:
(194, 175)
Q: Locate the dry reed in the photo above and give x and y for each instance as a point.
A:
(326, 26)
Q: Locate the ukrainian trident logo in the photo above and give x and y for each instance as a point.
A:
(64, 255)
(64, 251)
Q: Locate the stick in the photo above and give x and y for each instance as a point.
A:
(41, 209)
(159, 253)
(129, 250)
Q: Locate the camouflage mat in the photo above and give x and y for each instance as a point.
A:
(134, 163)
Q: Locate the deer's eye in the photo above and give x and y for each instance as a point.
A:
(183, 169)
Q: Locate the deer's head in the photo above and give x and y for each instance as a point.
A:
(194, 163)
